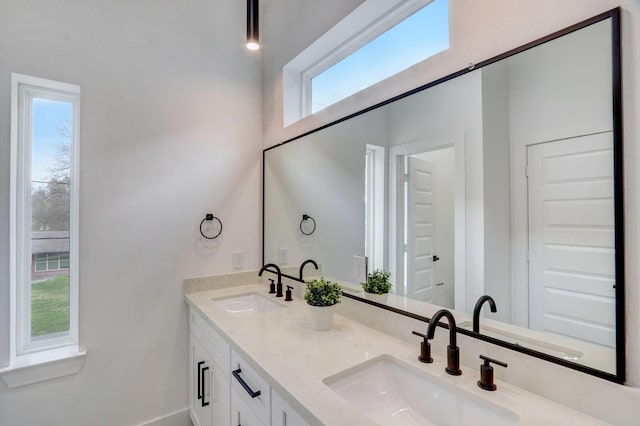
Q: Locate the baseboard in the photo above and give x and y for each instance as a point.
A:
(177, 418)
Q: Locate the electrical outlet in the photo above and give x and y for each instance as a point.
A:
(283, 256)
(237, 259)
(360, 268)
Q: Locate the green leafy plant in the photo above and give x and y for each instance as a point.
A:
(322, 293)
(378, 282)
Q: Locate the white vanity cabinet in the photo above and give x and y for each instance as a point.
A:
(209, 375)
(282, 414)
(225, 389)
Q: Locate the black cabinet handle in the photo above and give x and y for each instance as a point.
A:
(202, 372)
(435, 258)
(251, 392)
(199, 380)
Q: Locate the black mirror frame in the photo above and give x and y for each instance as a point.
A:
(616, 68)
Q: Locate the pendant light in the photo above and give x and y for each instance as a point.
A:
(253, 26)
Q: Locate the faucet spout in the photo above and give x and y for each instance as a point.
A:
(311, 261)
(453, 351)
(277, 271)
(476, 310)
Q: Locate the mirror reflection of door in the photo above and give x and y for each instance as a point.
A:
(571, 238)
(428, 211)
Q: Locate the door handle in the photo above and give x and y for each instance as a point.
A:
(251, 392)
(199, 380)
(202, 372)
(439, 284)
(435, 258)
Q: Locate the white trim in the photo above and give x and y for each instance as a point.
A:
(365, 23)
(375, 208)
(457, 140)
(22, 347)
(43, 365)
(176, 418)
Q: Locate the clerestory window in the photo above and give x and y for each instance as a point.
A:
(373, 43)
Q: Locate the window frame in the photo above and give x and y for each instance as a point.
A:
(365, 23)
(24, 89)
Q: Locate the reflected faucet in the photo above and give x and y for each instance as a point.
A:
(453, 351)
(313, 262)
(279, 272)
(476, 310)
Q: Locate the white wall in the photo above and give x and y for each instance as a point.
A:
(497, 189)
(323, 175)
(479, 30)
(170, 130)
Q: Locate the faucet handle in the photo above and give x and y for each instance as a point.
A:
(288, 297)
(272, 286)
(486, 373)
(425, 348)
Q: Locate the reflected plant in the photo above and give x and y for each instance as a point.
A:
(378, 282)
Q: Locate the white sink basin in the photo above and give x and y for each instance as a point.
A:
(527, 342)
(246, 304)
(393, 392)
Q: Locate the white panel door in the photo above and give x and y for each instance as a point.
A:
(571, 238)
(420, 229)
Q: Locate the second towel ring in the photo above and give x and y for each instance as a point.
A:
(306, 217)
(208, 217)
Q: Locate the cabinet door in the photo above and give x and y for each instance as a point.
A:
(282, 414)
(241, 414)
(199, 383)
(220, 397)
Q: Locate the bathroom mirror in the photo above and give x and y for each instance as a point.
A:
(503, 180)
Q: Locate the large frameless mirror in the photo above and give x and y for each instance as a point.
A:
(504, 180)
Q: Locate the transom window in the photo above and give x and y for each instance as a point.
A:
(374, 42)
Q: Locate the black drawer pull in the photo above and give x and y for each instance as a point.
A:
(199, 380)
(205, 369)
(251, 392)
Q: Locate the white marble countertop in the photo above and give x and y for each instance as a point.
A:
(281, 346)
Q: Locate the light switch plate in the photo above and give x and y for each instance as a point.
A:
(237, 259)
(360, 268)
(283, 256)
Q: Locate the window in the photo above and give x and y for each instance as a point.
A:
(374, 201)
(44, 216)
(50, 261)
(376, 41)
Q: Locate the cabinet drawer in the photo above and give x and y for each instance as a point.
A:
(245, 380)
(241, 415)
(213, 342)
(283, 414)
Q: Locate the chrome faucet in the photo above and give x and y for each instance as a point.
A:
(313, 262)
(453, 351)
(476, 310)
(279, 272)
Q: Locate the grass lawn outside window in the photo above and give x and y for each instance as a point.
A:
(50, 306)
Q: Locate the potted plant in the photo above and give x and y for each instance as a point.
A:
(377, 286)
(321, 296)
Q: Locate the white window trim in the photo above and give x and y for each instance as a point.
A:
(375, 207)
(54, 356)
(365, 23)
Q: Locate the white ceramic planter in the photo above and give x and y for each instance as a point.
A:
(321, 317)
(379, 298)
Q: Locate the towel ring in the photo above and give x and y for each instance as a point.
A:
(304, 218)
(209, 217)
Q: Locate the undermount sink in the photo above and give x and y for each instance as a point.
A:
(527, 342)
(393, 392)
(246, 304)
